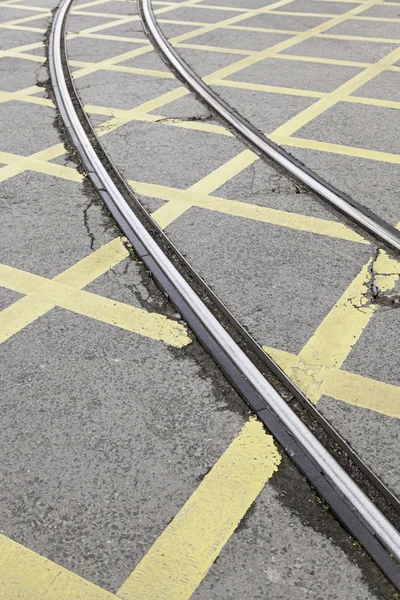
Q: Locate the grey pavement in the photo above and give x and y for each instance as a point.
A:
(107, 431)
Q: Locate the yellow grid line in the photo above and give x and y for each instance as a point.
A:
(176, 211)
(180, 558)
(210, 183)
(42, 294)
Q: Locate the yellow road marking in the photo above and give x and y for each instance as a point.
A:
(289, 43)
(327, 349)
(180, 558)
(316, 109)
(42, 294)
(26, 575)
(29, 163)
(182, 555)
(309, 144)
(339, 384)
(180, 200)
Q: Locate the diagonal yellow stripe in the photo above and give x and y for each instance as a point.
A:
(25, 575)
(64, 290)
(354, 389)
(179, 201)
(185, 551)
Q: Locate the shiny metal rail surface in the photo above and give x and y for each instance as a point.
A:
(352, 506)
(371, 223)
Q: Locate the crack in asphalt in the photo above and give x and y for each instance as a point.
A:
(373, 294)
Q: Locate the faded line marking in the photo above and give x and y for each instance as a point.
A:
(351, 388)
(316, 369)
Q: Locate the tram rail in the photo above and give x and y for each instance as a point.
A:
(358, 512)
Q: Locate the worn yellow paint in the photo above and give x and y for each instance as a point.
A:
(364, 392)
(25, 575)
(94, 265)
(19, 315)
(342, 327)
(316, 369)
(339, 384)
(180, 558)
(181, 200)
(41, 295)
(288, 43)
(182, 555)
(29, 163)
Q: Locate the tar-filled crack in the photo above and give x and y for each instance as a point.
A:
(86, 224)
(373, 294)
(171, 120)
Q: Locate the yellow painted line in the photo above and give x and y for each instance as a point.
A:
(214, 49)
(290, 42)
(335, 337)
(5, 96)
(25, 575)
(26, 56)
(127, 55)
(225, 172)
(360, 38)
(28, 163)
(272, 89)
(28, 19)
(94, 265)
(19, 315)
(353, 389)
(327, 15)
(23, 48)
(230, 21)
(22, 28)
(356, 390)
(316, 109)
(182, 555)
(65, 291)
(123, 69)
(29, 8)
(181, 200)
(305, 143)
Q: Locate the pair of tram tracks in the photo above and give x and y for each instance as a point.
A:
(358, 498)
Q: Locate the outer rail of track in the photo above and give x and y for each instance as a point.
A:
(352, 210)
(350, 504)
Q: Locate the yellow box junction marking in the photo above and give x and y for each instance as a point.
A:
(185, 551)
(317, 368)
(42, 295)
(180, 200)
(181, 557)
(188, 528)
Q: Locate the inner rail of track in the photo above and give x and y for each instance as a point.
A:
(352, 210)
(348, 502)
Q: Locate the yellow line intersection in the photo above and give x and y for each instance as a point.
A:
(181, 557)
(41, 295)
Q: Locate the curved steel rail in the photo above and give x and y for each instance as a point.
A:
(359, 215)
(351, 505)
